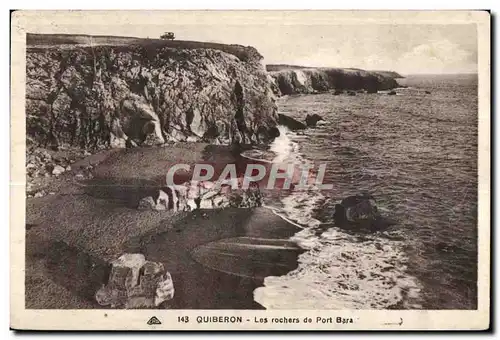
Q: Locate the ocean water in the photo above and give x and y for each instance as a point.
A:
(416, 153)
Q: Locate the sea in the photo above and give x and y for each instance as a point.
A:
(416, 153)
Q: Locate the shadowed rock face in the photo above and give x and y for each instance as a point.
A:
(117, 96)
(291, 123)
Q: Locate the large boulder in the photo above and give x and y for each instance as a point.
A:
(136, 283)
(359, 212)
(312, 120)
(290, 123)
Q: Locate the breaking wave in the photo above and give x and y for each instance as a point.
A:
(338, 270)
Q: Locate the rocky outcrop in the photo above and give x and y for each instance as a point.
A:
(146, 92)
(291, 123)
(360, 212)
(202, 195)
(312, 120)
(312, 80)
(43, 165)
(136, 283)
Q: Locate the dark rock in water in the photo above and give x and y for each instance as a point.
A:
(359, 212)
(273, 132)
(267, 135)
(351, 93)
(427, 92)
(392, 93)
(312, 120)
(337, 92)
(290, 123)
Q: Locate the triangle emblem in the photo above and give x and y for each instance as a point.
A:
(154, 321)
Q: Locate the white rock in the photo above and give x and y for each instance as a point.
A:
(130, 260)
(165, 290)
(191, 205)
(58, 170)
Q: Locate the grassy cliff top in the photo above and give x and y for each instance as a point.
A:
(280, 67)
(390, 74)
(68, 41)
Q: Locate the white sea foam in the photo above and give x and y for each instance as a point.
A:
(338, 270)
(280, 150)
(283, 147)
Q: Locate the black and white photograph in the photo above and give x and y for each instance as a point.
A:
(254, 161)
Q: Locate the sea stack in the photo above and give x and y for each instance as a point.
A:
(357, 212)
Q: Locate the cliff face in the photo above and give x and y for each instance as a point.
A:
(308, 80)
(149, 93)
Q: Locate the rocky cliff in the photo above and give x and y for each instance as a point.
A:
(310, 80)
(96, 95)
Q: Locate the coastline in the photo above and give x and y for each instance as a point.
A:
(238, 247)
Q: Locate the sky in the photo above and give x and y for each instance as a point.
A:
(405, 48)
(402, 48)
